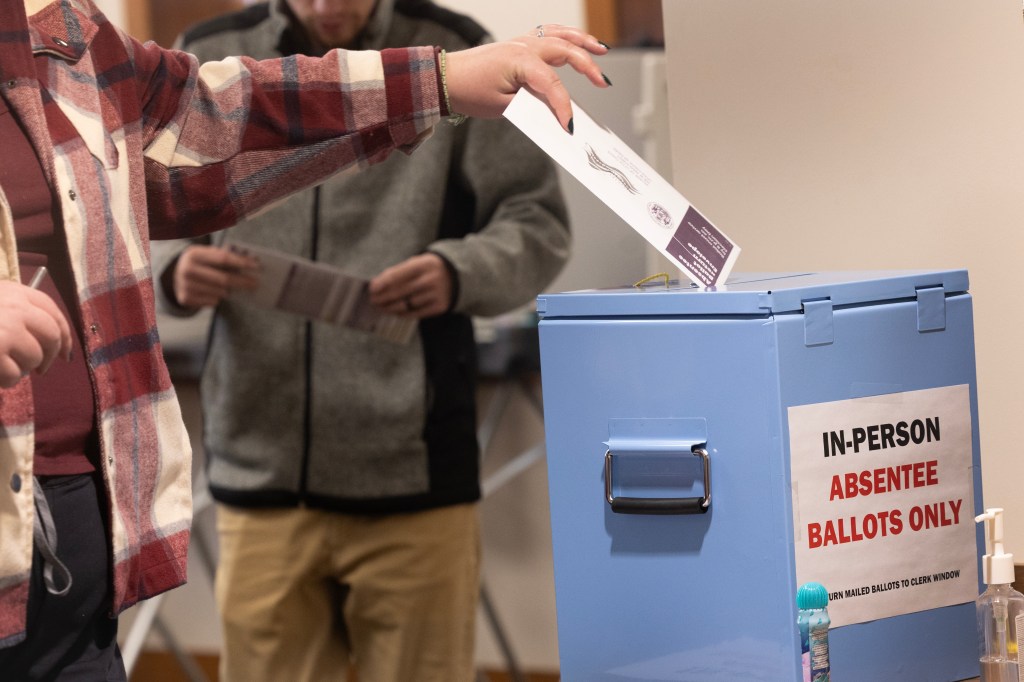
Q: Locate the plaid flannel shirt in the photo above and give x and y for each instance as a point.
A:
(139, 142)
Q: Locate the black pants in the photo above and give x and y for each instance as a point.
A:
(71, 638)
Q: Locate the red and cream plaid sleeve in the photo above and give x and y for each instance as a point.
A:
(233, 136)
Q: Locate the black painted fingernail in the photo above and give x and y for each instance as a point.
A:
(603, 44)
(606, 78)
(570, 126)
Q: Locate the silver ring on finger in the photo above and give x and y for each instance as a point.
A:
(540, 30)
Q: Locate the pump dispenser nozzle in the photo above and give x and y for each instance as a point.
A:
(997, 567)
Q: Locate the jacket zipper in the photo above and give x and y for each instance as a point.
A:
(307, 415)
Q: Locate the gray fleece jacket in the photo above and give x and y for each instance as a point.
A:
(325, 416)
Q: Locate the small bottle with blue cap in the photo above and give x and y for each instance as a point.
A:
(813, 621)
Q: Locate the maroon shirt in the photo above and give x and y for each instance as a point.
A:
(66, 437)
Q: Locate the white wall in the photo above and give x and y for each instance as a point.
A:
(114, 9)
(509, 19)
(869, 135)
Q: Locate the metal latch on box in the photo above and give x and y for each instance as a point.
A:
(931, 309)
(819, 329)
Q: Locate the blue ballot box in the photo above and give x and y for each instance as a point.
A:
(710, 450)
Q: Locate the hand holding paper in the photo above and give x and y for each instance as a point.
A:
(205, 275)
(319, 292)
(419, 286)
(631, 188)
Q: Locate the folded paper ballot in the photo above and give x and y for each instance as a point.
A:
(606, 166)
(319, 292)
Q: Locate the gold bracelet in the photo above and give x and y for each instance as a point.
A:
(453, 118)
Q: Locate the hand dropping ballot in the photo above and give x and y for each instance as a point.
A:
(629, 186)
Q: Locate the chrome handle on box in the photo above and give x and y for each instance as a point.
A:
(660, 505)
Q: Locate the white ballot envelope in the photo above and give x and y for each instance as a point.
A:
(319, 292)
(606, 166)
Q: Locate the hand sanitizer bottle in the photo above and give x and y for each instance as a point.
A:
(1000, 607)
(813, 621)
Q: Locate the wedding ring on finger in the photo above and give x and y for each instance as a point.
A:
(540, 30)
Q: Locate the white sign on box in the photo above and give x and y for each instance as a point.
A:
(883, 502)
(606, 166)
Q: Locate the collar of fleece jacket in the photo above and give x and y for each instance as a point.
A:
(294, 40)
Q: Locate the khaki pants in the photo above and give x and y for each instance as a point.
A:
(304, 593)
